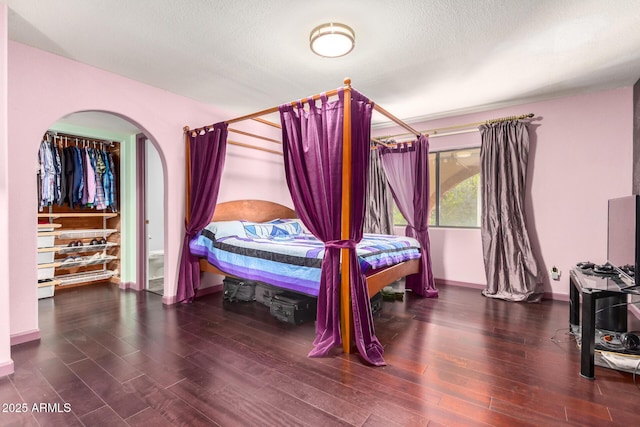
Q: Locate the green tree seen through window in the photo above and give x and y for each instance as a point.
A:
(459, 206)
(455, 189)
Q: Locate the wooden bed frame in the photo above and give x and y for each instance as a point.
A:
(376, 281)
(263, 211)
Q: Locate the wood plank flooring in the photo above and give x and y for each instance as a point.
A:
(121, 358)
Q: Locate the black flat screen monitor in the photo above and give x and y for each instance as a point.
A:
(623, 235)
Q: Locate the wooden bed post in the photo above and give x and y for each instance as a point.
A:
(187, 210)
(345, 291)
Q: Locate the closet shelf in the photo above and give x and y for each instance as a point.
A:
(84, 248)
(78, 234)
(84, 233)
(78, 215)
(85, 261)
(46, 283)
(72, 279)
(48, 233)
(79, 262)
(48, 226)
(76, 249)
(51, 249)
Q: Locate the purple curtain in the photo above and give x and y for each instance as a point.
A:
(207, 152)
(312, 143)
(407, 170)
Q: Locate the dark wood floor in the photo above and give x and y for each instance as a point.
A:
(122, 358)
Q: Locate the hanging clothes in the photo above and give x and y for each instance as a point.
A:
(112, 186)
(63, 176)
(89, 195)
(101, 200)
(68, 154)
(106, 179)
(47, 175)
(56, 166)
(77, 176)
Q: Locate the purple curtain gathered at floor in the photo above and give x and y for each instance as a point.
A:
(510, 265)
(207, 155)
(312, 144)
(407, 170)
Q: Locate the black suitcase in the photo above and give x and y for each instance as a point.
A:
(264, 293)
(293, 308)
(238, 290)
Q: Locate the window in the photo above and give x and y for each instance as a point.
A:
(454, 199)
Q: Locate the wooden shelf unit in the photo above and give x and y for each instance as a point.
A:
(71, 227)
(55, 215)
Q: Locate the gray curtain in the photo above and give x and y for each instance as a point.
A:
(511, 268)
(379, 209)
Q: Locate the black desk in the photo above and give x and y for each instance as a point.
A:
(591, 288)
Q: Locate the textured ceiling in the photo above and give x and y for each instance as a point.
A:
(418, 59)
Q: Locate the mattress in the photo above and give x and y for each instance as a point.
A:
(293, 261)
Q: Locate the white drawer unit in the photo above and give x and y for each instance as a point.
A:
(46, 289)
(46, 255)
(46, 271)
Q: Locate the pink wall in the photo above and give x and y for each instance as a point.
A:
(581, 156)
(6, 365)
(45, 87)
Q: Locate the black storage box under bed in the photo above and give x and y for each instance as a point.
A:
(238, 290)
(293, 308)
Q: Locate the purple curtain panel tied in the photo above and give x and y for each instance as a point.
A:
(207, 155)
(312, 143)
(407, 170)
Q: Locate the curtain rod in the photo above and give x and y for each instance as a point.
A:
(76, 138)
(437, 131)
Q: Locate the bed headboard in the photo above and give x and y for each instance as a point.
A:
(251, 210)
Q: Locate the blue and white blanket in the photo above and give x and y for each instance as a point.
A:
(283, 254)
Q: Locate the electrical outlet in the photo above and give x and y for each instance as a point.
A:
(555, 273)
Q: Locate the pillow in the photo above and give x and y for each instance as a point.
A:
(222, 229)
(291, 221)
(278, 231)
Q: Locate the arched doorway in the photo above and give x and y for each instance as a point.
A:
(123, 242)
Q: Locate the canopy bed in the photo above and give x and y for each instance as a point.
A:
(230, 245)
(329, 200)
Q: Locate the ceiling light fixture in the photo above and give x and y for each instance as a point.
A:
(332, 40)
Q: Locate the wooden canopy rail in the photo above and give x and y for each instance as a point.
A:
(264, 138)
(347, 84)
(255, 147)
(345, 297)
(267, 122)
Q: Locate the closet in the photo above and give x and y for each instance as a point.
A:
(78, 217)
